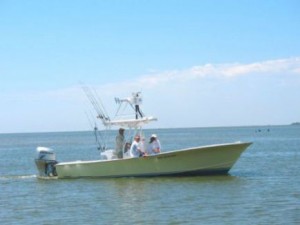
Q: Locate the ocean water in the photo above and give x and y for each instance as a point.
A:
(262, 188)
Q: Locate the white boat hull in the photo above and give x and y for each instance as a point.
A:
(205, 160)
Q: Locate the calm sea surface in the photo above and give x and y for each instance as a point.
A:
(263, 187)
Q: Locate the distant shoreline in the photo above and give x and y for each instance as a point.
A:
(295, 124)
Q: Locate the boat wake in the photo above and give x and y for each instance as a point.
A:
(17, 177)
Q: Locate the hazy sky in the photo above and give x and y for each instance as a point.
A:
(197, 63)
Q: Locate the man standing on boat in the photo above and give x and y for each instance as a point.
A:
(137, 101)
(120, 141)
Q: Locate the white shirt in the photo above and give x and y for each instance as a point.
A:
(135, 149)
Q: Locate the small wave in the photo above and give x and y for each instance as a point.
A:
(17, 177)
(269, 154)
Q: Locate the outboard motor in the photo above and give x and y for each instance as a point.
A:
(45, 162)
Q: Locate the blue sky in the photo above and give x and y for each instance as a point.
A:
(198, 63)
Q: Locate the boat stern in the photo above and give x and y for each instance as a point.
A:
(45, 162)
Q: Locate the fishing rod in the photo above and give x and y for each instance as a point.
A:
(96, 103)
(96, 134)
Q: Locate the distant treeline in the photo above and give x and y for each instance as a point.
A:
(296, 123)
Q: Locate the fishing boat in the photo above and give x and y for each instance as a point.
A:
(199, 160)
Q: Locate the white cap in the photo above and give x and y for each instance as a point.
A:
(154, 136)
